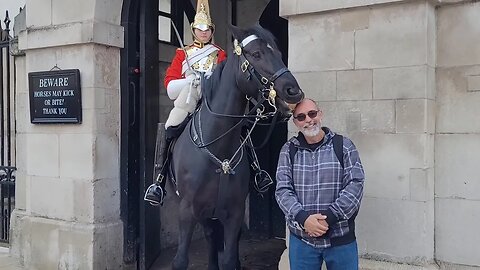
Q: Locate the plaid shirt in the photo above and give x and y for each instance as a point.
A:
(317, 184)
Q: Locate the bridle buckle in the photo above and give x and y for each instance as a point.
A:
(245, 65)
(264, 80)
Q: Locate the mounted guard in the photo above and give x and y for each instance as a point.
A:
(189, 64)
(183, 78)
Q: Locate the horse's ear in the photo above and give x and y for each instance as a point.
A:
(237, 32)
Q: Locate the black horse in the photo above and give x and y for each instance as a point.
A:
(209, 162)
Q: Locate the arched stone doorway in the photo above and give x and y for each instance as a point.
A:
(146, 55)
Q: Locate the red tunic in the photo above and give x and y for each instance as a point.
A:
(174, 71)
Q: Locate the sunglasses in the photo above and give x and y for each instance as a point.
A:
(301, 116)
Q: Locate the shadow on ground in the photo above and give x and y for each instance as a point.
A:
(255, 254)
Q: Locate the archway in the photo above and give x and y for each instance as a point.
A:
(144, 103)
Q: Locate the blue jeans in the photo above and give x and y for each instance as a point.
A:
(305, 257)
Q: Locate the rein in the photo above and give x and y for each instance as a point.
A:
(226, 165)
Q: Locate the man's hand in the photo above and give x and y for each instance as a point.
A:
(316, 225)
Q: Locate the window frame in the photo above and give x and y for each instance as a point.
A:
(178, 9)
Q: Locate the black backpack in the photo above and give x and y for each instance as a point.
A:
(337, 147)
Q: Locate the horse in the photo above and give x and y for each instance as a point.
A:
(208, 160)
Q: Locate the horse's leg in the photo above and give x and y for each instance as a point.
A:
(238, 248)
(232, 228)
(186, 226)
(213, 230)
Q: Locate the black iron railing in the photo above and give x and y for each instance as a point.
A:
(7, 200)
(7, 131)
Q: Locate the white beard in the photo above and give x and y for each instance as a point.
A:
(311, 131)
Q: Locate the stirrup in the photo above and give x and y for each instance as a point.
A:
(155, 194)
(263, 181)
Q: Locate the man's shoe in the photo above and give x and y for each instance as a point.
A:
(155, 194)
(262, 181)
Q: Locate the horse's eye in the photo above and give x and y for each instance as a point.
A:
(256, 54)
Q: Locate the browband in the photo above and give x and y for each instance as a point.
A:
(248, 40)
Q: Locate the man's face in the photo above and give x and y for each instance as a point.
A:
(308, 118)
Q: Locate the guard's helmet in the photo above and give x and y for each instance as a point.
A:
(202, 20)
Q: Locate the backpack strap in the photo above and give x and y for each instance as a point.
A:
(292, 150)
(337, 148)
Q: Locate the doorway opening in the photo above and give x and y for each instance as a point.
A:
(150, 43)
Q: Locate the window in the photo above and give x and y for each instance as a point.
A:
(181, 12)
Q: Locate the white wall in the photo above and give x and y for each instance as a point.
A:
(457, 201)
(402, 79)
(369, 69)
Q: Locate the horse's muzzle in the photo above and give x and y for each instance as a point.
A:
(294, 95)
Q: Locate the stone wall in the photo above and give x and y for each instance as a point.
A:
(457, 182)
(67, 212)
(400, 79)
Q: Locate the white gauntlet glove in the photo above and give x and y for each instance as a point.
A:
(174, 87)
(195, 77)
(196, 82)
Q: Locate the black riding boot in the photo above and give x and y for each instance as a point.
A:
(156, 192)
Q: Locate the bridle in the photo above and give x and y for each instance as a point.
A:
(265, 86)
(266, 92)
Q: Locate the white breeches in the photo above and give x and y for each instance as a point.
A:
(184, 104)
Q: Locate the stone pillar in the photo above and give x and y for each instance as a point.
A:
(371, 67)
(457, 200)
(67, 212)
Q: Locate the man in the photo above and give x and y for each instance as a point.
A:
(319, 193)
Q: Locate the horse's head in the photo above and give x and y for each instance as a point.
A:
(262, 74)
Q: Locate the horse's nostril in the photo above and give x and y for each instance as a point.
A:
(292, 91)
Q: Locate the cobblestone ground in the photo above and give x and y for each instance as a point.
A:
(255, 254)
